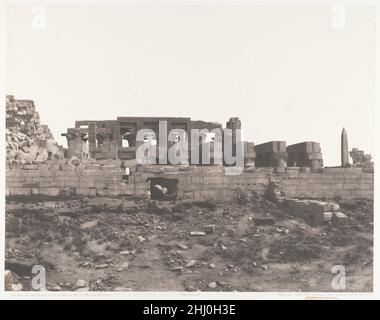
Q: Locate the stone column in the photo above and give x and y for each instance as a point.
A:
(234, 124)
(92, 139)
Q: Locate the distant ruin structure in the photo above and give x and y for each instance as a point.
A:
(360, 159)
(117, 139)
(305, 154)
(271, 154)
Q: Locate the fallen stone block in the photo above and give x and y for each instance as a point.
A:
(327, 216)
(262, 221)
(182, 246)
(197, 233)
(17, 287)
(332, 207)
(191, 263)
(8, 280)
(89, 224)
(339, 218)
(122, 267)
(318, 206)
(315, 218)
(209, 228)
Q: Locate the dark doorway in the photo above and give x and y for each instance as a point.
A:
(163, 189)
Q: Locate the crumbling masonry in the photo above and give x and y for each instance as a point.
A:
(101, 161)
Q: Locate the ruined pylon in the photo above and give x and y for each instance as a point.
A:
(344, 149)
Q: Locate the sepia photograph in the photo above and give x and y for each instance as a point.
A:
(194, 147)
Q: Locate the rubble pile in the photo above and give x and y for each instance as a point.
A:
(314, 212)
(26, 139)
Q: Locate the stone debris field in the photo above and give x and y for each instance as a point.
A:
(249, 244)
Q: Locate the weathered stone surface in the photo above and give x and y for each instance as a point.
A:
(344, 149)
(199, 183)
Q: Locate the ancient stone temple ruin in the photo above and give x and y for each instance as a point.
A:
(305, 154)
(100, 160)
(116, 139)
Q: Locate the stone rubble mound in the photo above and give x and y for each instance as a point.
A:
(26, 139)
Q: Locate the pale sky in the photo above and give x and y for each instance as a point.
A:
(285, 71)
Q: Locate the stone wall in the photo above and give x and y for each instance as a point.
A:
(54, 178)
(108, 178)
(332, 183)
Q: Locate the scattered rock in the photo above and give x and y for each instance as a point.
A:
(89, 224)
(84, 289)
(339, 218)
(191, 263)
(8, 280)
(122, 267)
(80, 283)
(178, 268)
(210, 228)
(197, 233)
(17, 287)
(54, 288)
(122, 289)
(212, 285)
(190, 288)
(75, 161)
(182, 246)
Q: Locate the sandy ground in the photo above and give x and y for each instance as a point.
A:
(128, 245)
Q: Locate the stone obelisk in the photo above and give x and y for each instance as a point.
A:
(344, 149)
